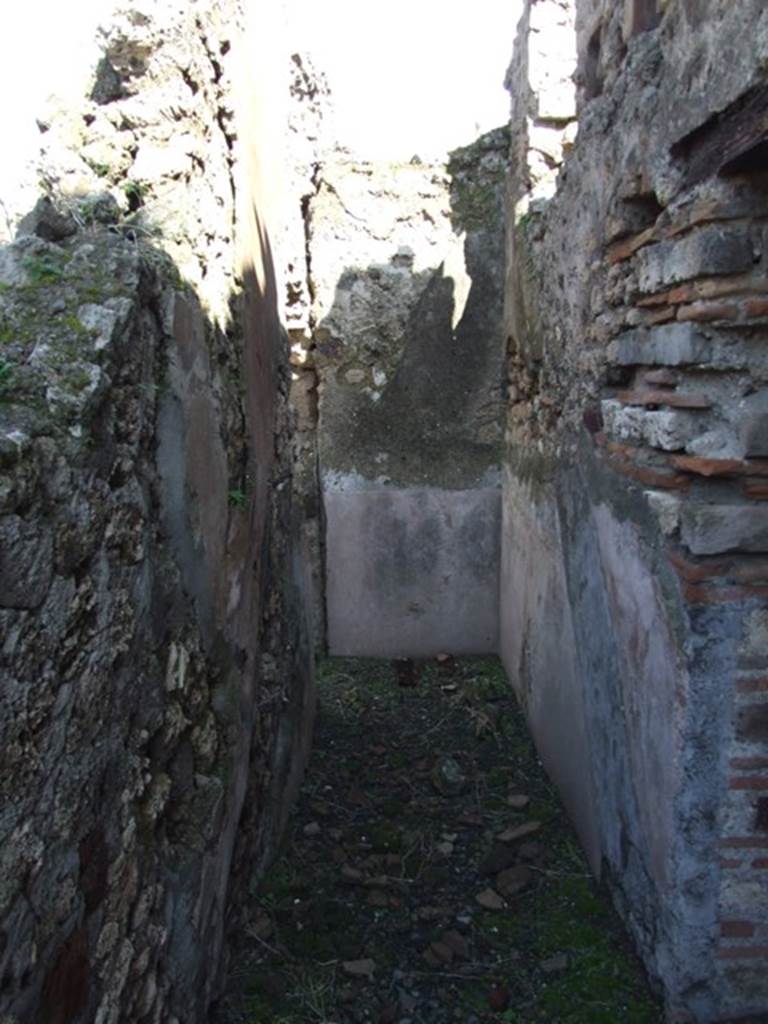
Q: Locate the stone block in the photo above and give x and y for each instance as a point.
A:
(621, 421)
(713, 250)
(713, 529)
(752, 723)
(26, 562)
(639, 16)
(669, 429)
(48, 222)
(755, 640)
(720, 443)
(659, 378)
(755, 434)
(675, 344)
(666, 507)
(738, 811)
(754, 425)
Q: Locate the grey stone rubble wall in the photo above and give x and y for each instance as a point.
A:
(634, 572)
(309, 138)
(406, 279)
(156, 694)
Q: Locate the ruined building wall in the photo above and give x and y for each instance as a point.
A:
(309, 140)
(634, 569)
(406, 284)
(156, 672)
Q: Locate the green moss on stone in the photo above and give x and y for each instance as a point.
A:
(478, 174)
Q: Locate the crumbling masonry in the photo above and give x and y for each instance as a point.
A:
(635, 530)
(551, 443)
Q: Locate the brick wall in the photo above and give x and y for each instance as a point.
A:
(637, 322)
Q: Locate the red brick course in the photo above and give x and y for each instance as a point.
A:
(702, 312)
(744, 842)
(659, 396)
(708, 467)
(752, 684)
(709, 288)
(757, 307)
(626, 247)
(695, 572)
(749, 763)
(651, 477)
(702, 594)
(721, 467)
(743, 952)
(748, 571)
(756, 782)
(737, 929)
(755, 487)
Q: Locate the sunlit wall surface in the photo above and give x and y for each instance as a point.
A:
(412, 77)
(46, 47)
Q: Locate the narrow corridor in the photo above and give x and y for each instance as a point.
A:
(429, 874)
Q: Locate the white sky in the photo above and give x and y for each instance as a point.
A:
(408, 76)
(46, 46)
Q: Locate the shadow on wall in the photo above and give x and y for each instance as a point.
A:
(410, 428)
(156, 664)
(405, 396)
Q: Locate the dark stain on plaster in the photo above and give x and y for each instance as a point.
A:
(65, 988)
(477, 540)
(438, 418)
(407, 552)
(424, 419)
(591, 73)
(94, 866)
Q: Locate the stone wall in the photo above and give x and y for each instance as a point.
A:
(308, 141)
(406, 280)
(156, 694)
(635, 531)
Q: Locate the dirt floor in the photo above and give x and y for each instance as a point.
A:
(429, 874)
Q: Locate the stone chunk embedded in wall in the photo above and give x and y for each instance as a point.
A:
(713, 529)
(26, 563)
(665, 345)
(754, 425)
(711, 250)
